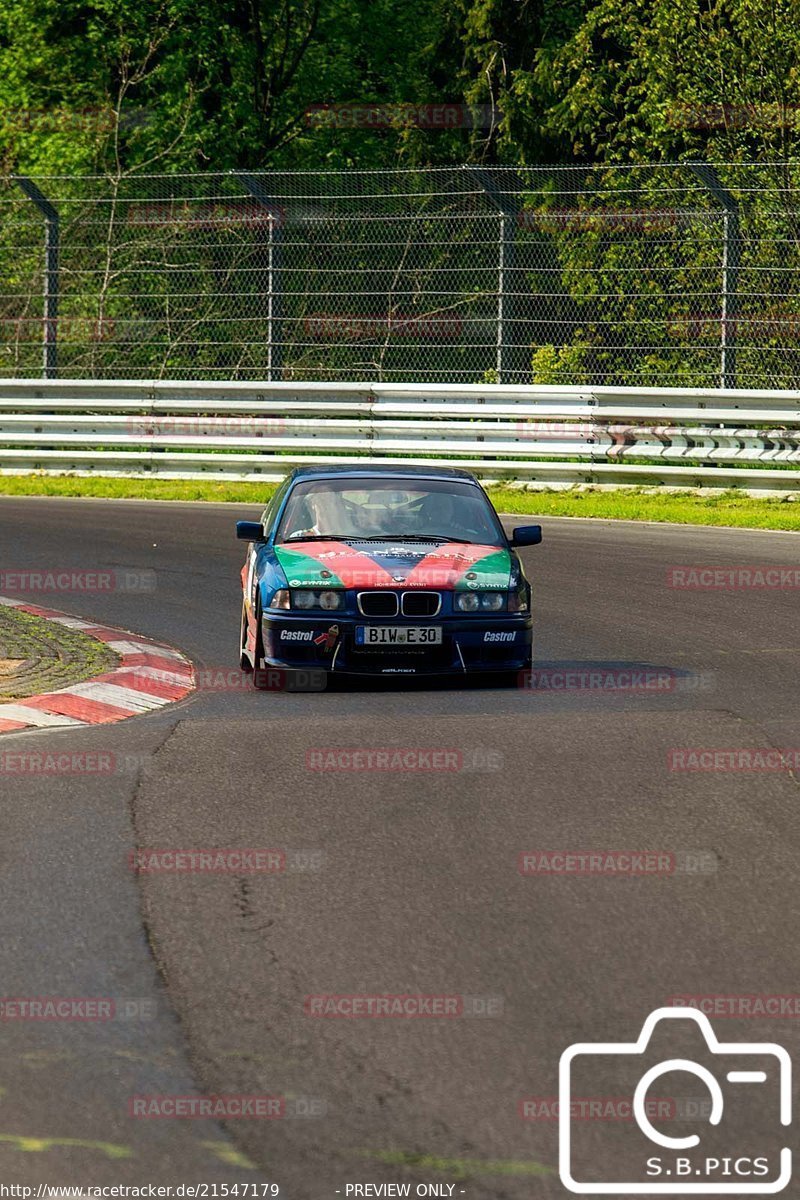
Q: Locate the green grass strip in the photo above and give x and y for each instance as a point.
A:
(458, 1168)
(728, 508)
(635, 504)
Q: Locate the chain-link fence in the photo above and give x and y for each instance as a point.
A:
(649, 275)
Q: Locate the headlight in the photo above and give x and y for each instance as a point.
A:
(331, 600)
(467, 601)
(281, 599)
(304, 599)
(493, 601)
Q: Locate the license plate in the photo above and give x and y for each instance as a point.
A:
(398, 635)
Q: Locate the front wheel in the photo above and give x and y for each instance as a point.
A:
(259, 673)
(244, 660)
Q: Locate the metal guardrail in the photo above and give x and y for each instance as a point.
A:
(548, 435)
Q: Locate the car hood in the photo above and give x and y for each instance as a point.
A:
(388, 564)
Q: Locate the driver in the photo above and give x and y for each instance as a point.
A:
(322, 508)
(438, 513)
(370, 518)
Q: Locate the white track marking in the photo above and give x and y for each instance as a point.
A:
(34, 716)
(120, 697)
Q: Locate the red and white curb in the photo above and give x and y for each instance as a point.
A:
(149, 676)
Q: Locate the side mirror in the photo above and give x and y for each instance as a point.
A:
(526, 535)
(250, 531)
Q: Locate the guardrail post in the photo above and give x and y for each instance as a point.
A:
(274, 263)
(51, 253)
(731, 263)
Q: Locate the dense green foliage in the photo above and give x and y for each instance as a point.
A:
(115, 85)
(614, 272)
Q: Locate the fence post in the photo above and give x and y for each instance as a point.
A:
(507, 244)
(51, 252)
(731, 263)
(274, 263)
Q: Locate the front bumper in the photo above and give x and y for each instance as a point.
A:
(326, 642)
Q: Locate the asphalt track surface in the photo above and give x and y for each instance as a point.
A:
(419, 889)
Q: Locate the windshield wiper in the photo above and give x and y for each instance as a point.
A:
(376, 537)
(411, 537)
(431, 537)
(444, 537)
(316, 537)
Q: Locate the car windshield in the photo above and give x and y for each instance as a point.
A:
(436, 510)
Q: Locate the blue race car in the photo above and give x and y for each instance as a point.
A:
(366, 570)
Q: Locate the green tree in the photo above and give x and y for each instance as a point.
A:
(642, 80)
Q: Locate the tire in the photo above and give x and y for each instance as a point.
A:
(244, 661)
(259, 674)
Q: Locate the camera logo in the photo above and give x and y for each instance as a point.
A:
(745, 1085)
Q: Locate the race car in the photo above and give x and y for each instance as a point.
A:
(384, 571)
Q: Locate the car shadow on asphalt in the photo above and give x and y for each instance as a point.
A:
(545, 677)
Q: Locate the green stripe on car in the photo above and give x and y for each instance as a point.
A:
(493, 571)
(303, 570)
